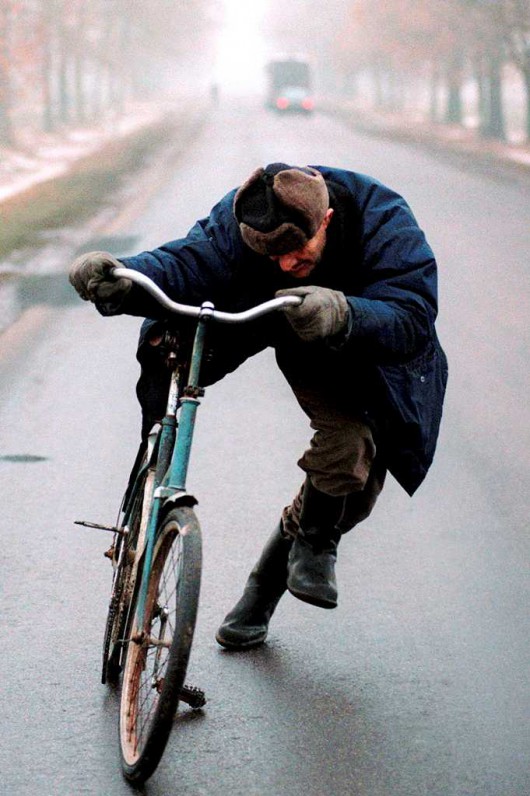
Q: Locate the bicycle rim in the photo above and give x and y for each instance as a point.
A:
(157, 660)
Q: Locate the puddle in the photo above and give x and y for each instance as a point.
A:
(22, 458)
(22, 288)
(118, 245)
(51, 289)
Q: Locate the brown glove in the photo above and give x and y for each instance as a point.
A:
(322, 313)
(90, 276)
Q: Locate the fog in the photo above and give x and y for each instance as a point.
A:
(455, 62)
(121, 123)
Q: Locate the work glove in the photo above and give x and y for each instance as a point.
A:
(323, 313)
(90, 276)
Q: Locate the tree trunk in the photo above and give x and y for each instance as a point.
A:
(62, 65)
(378, 85)
(527, 88)
(494, 127)
(434, 105)
(80, 63)
(483, 97)
(78, 77)
(6, 127)
(453, 111)
(48, 116)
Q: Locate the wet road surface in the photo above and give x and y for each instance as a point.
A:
(418, 683)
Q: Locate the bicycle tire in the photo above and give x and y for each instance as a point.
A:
(154, 673)
(122, 587)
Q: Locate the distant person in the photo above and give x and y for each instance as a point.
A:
(214, 93)
(360, 352)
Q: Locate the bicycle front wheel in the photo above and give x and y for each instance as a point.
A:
(157, 657)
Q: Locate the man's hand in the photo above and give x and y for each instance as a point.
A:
(90, 275)
(322, 313)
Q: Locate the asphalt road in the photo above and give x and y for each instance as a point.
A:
(418, 683)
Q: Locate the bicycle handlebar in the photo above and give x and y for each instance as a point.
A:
(207, 307)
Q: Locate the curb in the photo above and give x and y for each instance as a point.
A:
(459, 144)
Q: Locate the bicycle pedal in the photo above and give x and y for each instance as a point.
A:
(194, 697)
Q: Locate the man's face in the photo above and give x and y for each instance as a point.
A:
(302, 262)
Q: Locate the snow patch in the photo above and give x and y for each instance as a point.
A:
(40, 157)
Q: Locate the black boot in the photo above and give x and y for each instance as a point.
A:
(247, 623)
(314, 551)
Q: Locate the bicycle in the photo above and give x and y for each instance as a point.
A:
(156, 553)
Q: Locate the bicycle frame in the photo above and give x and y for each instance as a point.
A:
(174, 449)
(174, 444)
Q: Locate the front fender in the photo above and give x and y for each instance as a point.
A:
(179, 498)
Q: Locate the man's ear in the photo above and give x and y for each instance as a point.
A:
(328, 217)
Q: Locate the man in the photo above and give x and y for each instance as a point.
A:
(360, 352)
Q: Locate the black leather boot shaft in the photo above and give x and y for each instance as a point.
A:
(247, 623)
(314, 551)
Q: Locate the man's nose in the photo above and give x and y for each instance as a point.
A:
(287, 261)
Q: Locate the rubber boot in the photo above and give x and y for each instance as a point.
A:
(247, 623)
(313, 553)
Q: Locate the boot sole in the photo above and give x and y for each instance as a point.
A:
(311, 599)
(240, 645)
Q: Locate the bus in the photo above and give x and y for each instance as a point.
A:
(290, 84)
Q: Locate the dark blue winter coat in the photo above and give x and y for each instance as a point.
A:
(391, 367)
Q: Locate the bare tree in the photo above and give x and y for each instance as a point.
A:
(404, 43)
(514, 17)
(69, 61)
(6, 127)
(47, 26)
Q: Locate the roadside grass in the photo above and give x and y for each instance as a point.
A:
(82, 192)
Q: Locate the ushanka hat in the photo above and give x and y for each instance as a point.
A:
(279, 208)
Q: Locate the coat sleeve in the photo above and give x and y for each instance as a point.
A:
(190, 270)
(393, 315)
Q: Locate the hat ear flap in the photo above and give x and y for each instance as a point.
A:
(286, 238)
(242, 188)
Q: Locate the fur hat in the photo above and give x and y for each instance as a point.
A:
(279, 208)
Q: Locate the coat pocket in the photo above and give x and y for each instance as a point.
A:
(415, 392)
